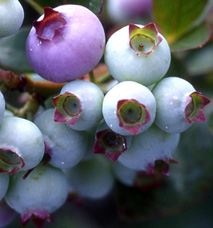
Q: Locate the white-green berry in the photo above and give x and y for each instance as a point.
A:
(43, 191)
(137, 53)
(21, 144)
(148, 147)
(65, 146)
(12, 16)
(4, 183)
(79, 104)
(129, 108)
(91, 178)
(178, 104)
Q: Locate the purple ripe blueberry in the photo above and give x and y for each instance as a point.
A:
(178, 105)
(65, 146)
(110, 143)
(2, 106)
(129, 108)
(12, 16)
(79, 104)
(21, 145)
(147, 148)
(43, 191)
(4, 183)
(65, 43)
(137, 53)
(121, 11)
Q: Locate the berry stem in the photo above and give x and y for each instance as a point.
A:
(104, 78)
(29, 108)
(11, 108)
(24, 83)
(92, 76)
(43, 88)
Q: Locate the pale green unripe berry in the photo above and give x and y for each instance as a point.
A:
(136, 112)
(79, 104)
(92, 178)
(124, 174)
(178, 105)
(66, 147)
(21, 144)
(149, 146)
(4, 183)
(43, 191)
(12, 16)
(126, 64)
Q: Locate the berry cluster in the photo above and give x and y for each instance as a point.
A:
(136, 123)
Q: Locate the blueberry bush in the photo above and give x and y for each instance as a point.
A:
(106, 117)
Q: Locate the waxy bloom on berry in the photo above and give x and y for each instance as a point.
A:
(4, 183)
(149, 147)
(43, 191)
(21, 145)
(137, 53)
(12, 16)
(65, 43)
(92, 178)
(79, 104)
(178, 105)
(129, 108)
(63, 145)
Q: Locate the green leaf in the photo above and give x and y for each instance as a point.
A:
(199, 61)
(94, 5)
(196, 38)
(12, 52)
(174, 18)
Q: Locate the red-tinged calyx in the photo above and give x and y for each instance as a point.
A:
(10, 161)
(151, 178)
(193, 111)
(145, 181)
(38, 217)
(132, 115)
(110, 143)
(160, 166)
(50, 25)
(67, 108)
(144, 40)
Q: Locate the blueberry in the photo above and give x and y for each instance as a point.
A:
(43, 191)
(178, 105)
(79, 104)
(21, 145)
(12, 16)
(65, 43)
(137, 53)
(129, 108)
(4, 183)
(65, 146)
(149, 146)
